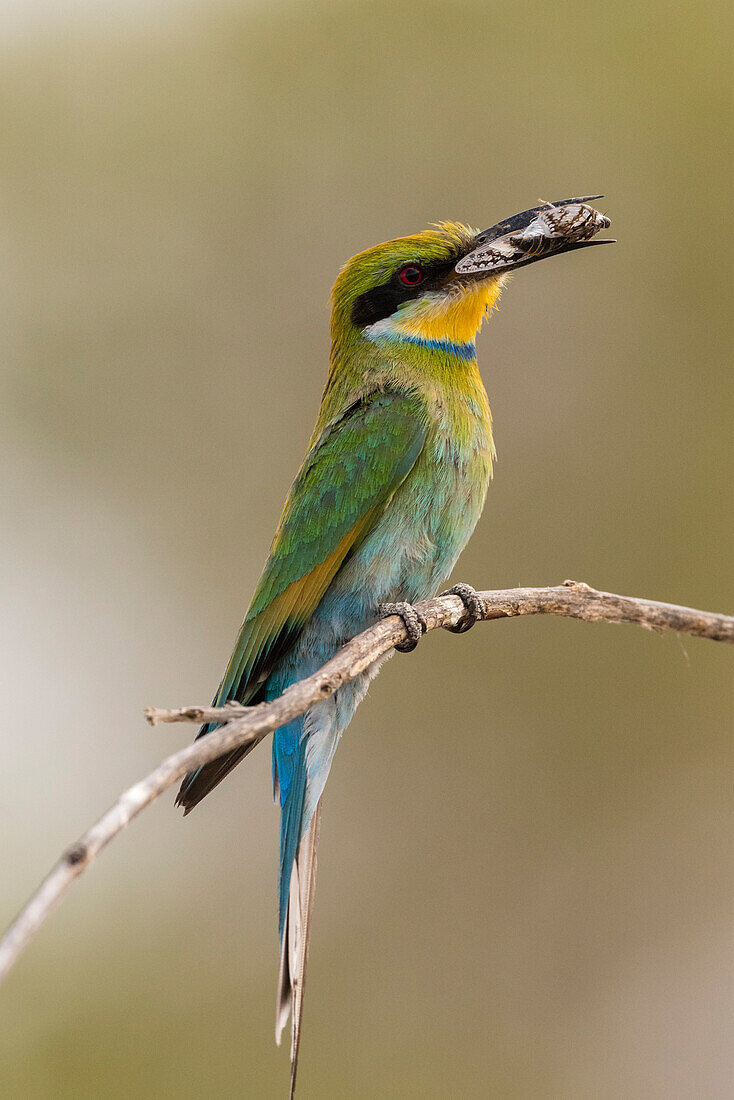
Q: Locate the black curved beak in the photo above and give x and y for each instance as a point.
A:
(534, 234)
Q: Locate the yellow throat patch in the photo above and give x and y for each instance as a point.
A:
(455, 317)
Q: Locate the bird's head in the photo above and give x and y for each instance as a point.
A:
(439, 285)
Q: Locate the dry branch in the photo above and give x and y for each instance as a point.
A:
(249, 725)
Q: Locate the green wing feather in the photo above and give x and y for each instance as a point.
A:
(345, 481)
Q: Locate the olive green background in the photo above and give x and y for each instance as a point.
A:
(526, 884)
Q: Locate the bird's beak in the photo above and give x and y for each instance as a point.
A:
(546, 230)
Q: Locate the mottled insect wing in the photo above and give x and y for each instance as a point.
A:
(554, 227)
(557, 225)
(519, 222)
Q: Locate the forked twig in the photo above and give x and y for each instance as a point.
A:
(249, 725)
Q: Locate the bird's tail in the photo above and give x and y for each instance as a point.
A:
(302, 755)
(294, 942)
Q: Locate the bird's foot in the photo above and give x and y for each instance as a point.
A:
(413, 621)
(473, 607)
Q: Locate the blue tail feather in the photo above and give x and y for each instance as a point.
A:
(289, 769)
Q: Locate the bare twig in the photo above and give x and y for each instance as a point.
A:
(249, 725)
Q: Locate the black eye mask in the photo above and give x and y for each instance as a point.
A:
(382, 301)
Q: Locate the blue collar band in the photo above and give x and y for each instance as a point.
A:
(462, 351)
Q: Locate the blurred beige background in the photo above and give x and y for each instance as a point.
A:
(526, 887)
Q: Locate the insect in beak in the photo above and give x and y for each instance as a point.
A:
(546, 230)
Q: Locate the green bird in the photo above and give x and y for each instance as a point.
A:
(388, 494)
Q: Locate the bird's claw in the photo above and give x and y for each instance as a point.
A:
(473, 607)
(413, 621)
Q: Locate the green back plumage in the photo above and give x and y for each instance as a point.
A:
(345, 480)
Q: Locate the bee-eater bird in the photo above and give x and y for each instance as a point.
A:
(388, 494)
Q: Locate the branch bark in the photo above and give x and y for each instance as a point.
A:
(249, 725)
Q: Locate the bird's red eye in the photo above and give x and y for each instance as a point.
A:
(411, 275)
